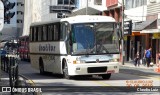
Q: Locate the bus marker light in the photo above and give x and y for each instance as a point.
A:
(110, 71)
(74, 62)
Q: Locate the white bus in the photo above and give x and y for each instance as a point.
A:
(79, 45)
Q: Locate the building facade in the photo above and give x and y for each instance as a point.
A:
(20, 17)
(137, 12)
(145, 31)
(153, 30)
(45, 10)
(89, 7)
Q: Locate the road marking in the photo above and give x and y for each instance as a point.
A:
(102, 83)
(31, 82)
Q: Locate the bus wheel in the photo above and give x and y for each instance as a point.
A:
(106, 76)
(65, 71)
(41, 67)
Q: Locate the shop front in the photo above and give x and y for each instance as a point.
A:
(154, 37)
(157, 37)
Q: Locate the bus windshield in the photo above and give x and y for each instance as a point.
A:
(94, 38)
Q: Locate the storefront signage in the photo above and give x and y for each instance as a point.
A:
(156, 35)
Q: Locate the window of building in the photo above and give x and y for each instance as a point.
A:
(17, 3)
(20, 3)
(72, 2)
(98, 2)
(19, 12)
(134, 3)
(66, 2)
(19, 21)
(60, 1)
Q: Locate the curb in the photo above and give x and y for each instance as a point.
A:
(139, 67)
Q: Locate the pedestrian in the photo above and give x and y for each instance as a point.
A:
(137, 59)
(148, 56)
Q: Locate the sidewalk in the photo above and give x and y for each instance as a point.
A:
(4, 82)
(4, 78)
(131, 64)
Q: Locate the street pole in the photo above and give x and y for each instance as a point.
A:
(87, 8)
(122, 40)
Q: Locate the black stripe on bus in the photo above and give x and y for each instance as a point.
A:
(48, 54)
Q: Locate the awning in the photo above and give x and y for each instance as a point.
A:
(143, 25)
(137, 33)
(150, 31)
(82, 11)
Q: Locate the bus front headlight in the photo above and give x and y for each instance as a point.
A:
(77, 62)
(114, 60)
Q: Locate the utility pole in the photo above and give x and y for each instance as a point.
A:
(122, 40)
(87, 8)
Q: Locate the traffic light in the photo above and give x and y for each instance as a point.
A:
(7, 13)
(1, 15)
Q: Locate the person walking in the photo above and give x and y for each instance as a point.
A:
(148, 57)
(137, 59)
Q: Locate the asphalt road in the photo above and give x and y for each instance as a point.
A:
(52, 84)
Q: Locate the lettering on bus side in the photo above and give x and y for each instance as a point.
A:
(47, 47)
(49, 57)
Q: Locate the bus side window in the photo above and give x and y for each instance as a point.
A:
(49, 33)
(56, 32)
(39, 33)
(63, 31)
(31, 34)
(44, 33)
(52, 32)
(34, 34)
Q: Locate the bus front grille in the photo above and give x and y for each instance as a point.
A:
(96, 69)
(96, 62)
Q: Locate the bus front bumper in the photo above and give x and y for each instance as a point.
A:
(93, 68)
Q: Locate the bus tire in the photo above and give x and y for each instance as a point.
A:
(106, 76)
(41, 67)
(65, 71)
